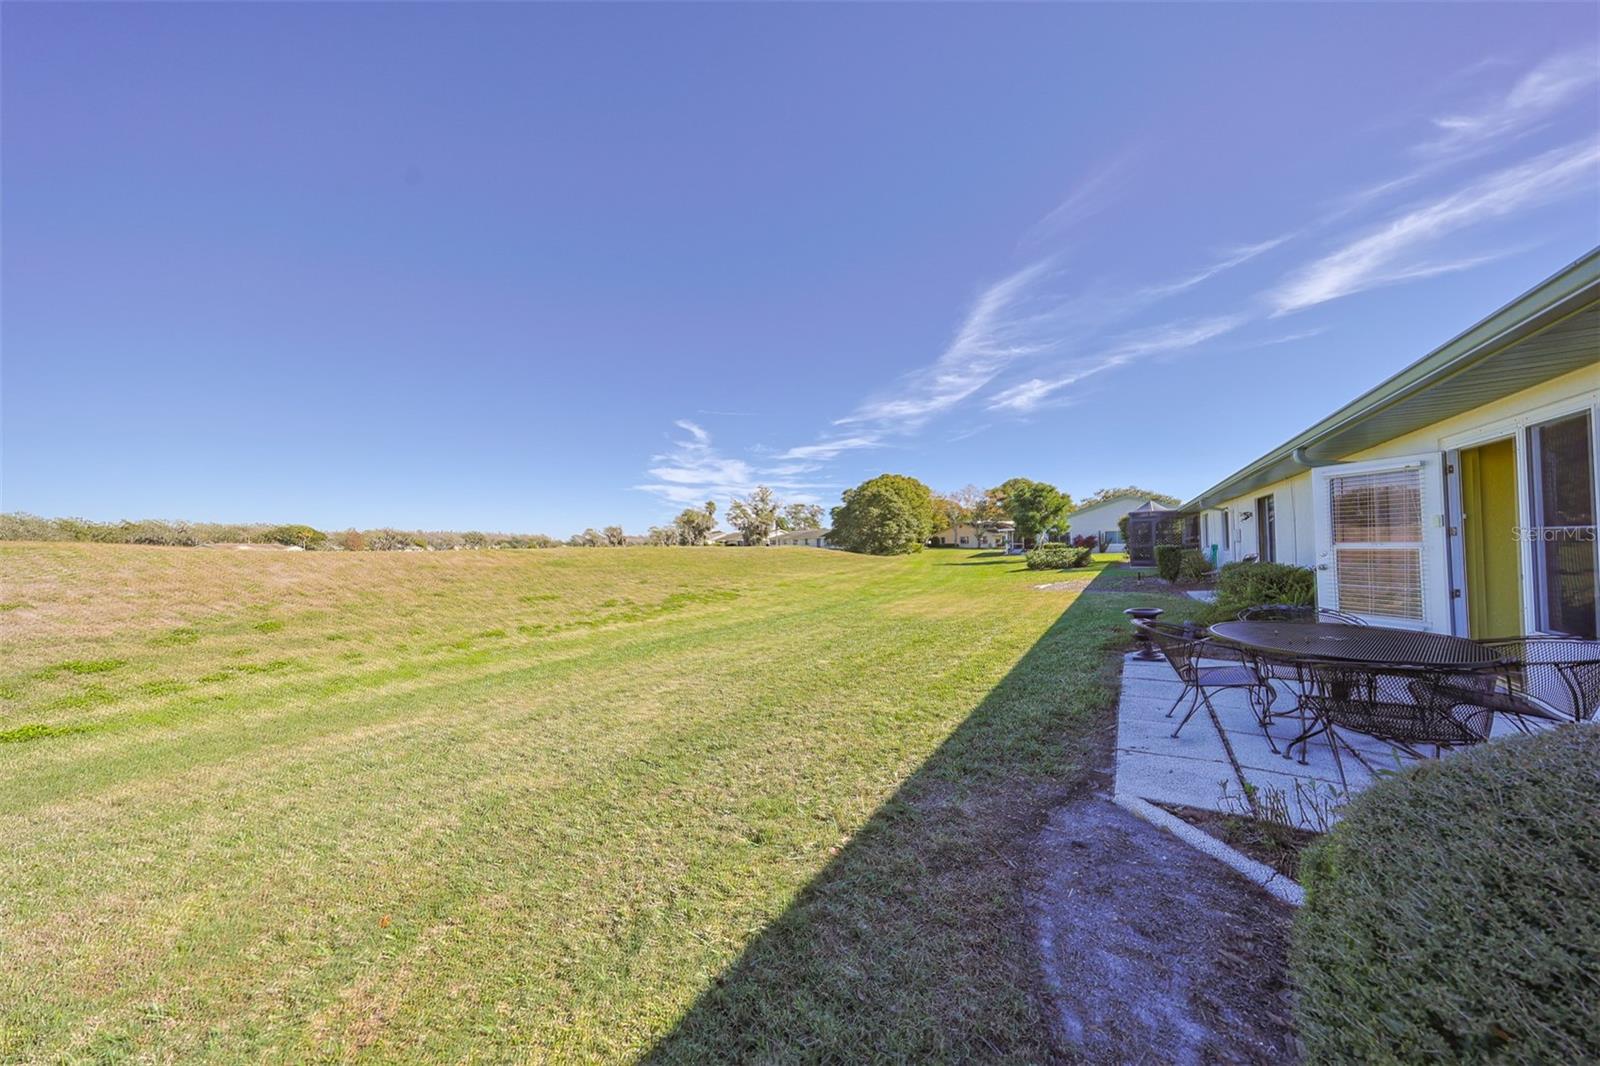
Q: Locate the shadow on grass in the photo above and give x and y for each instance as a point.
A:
(912, 944)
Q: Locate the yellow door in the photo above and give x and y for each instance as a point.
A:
(1489, 538)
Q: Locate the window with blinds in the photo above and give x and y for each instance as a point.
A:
(1377, 542)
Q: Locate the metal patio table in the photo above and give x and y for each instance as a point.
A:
(1289, 642)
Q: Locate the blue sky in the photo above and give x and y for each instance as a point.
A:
(538, 267)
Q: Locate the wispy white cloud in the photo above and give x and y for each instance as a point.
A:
(1159, 340)
(693, 471)
(832, 448)
(1025, 317)
(1493, 122)
(1538, 94)
(1003, 325)
(1290, 338)
(700, 436)
(1380, 257)
(1093, 194)
(1231, 258)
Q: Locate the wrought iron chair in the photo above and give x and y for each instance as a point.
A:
(1406, 707)
(1561, 673)
(1289, 612)
(1186, 648)
(1282, 670)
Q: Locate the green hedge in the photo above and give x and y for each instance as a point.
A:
(1169, 558)
(1193, 565)
(1059, 557)
(1454, 914)
(1241, 585)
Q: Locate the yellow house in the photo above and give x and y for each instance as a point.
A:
(1459, 495)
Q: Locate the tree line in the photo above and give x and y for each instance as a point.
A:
(886, 515)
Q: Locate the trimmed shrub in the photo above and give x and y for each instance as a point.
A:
(1193, 565)
(1169, 557)
(1058, 557)
(295, 536)
(1241, 585)
(1454, 914)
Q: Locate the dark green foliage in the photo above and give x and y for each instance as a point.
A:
(1193, 565)
(1454, 915)
(1058, 557)
(1130, 490)
(1034, 506)
(296, 536)
(1169, 558)
(1241, 585)
(889, 515)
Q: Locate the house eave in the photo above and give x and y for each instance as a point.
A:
(1494, 358)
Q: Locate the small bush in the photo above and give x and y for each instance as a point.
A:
(1241, 585)
(1058, 557)
(1454, 915)
(295, 536)
(1169, 557)
(1193, 565)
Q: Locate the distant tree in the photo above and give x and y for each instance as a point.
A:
(352, 541)
(1132, 490)
(663, 536)
(801, 516)
(295, 536)
(615, 537)
(756, 516)
(694, 525)
(474, 539)
(387, 540)
(1033, 506)
(588, 539)
(890, 514)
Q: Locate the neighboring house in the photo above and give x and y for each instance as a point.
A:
(1457, 496)
(800, 538)
(1101, 519)
(722, 537)
(994, 535)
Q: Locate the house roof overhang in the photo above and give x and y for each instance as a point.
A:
(1552, 329)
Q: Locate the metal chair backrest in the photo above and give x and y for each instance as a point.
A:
(1292, 612)
(1560, 672)
(1178, 643)
(1408, 704)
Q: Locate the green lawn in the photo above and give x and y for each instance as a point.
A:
(540, 806)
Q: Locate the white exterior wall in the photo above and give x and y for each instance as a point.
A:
(1102, 517)
(1297, 540)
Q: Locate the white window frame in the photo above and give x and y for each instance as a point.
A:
(1435, 564)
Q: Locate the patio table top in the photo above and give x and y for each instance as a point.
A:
(1289, 641)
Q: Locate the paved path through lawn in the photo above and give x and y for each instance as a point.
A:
(1153, 952)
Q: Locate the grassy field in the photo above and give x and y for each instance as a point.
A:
(541, 806)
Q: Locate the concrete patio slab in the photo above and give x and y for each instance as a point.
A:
(1190, 769)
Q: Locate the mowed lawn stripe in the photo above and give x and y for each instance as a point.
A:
(535, 848)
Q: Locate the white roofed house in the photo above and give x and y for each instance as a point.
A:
(800, 538)
(1459, 495)
(966, 535)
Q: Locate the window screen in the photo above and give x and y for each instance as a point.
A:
(1377, 542)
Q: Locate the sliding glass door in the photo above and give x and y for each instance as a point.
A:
(1562, 505)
